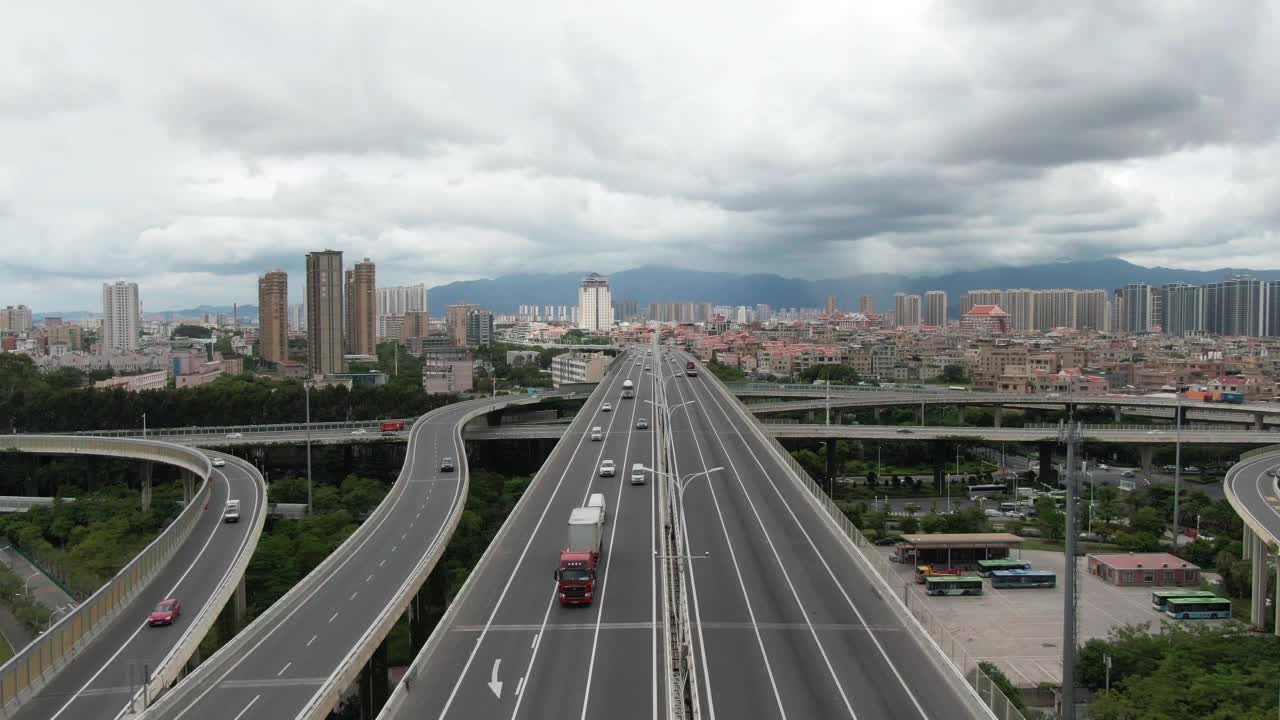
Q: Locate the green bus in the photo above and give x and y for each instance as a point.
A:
(986, 567)
(1023, 579)
(1160, 597)
(953, 585)
(1198, 608)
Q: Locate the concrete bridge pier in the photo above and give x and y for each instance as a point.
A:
(188, 486)
(145, 469)
(1247, 542)
(1047, 474)
(239, 604)
(1117, 415)
(876, 412)
(1258, 422)
(999, 416)
(1145, 455)
(374, 684)
(1258, 564)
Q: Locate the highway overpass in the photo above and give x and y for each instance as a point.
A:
(94, 660)
(1251, 488)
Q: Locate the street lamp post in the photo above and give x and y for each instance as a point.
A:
(26, 584)
(306, 390)
(144, 426)
(1177, 466)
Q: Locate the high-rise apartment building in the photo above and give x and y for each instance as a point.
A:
(456, 322)
(1273, 308)
(479, 327)
(298, 317)
(1236, 307)
(415, 324)
(830, 308)
(980, 297)
(867, 305)
(764, 313)
(15, 319)
(121, 318)
(595, 304)
(1183, 309)
(401, 300)
(324, 312)
(273, 321)
(625, 309)
(935, 308)
(1021, 306)
(1090, 311)
(906, 309)
(1137, 308)
(362, 318)
(1055, 309)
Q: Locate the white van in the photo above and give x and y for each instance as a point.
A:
(597, 500)
(597, 433)
(637, 474)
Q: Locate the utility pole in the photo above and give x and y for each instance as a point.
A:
(306, 389)
(1070, 434)
(1177, 466)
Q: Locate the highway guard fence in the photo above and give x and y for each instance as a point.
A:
(952, 648)
(35, 665)
(245, 429)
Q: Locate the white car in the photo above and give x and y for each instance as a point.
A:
(234, 436)
(360, 431)
(1104, 467)
(219, 462)
(607, 469)
(597, 433)
(607, 407)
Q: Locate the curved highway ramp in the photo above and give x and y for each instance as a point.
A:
(93, 663)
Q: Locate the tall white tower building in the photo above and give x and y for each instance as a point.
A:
(595, 304)
(120, 318)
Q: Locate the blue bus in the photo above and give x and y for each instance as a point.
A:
(1160, 597)
(1023, 579)
(1198, 608)
(986, 567)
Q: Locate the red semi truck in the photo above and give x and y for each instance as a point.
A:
(576, 575)
(392, 426)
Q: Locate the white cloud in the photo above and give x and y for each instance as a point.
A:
(190, 148)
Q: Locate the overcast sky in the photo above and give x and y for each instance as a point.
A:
(191, 149)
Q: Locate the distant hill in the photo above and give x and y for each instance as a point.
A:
(246, 312)
(656, 284)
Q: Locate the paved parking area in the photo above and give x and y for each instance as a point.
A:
(1021, 630)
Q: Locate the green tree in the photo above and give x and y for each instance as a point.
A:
(1049, 519)
(954, 374)
(1147, 520)
(198, 332)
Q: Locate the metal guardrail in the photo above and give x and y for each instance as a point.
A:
(1161, 429)
(991, 698)
(35, 665)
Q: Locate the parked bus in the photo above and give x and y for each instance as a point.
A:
(987, 490)
(953, 585)
(1013, 579)
(1160, 597)
(985, 567)
(1198, 608)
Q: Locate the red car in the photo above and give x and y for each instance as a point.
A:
(165, 613)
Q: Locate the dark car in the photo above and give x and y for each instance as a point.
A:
(446, 465)
(887, 541)
(165, 613)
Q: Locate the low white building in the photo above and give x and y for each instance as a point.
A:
(573, 368)
(448, 377)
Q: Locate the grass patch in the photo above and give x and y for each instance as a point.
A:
(1089, 547)
(6, 652)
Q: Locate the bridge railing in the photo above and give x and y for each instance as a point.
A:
(247, 429)
(986, 690)
(1157, 429)
(35, 665)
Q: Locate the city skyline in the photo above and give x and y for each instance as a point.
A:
(979, 156)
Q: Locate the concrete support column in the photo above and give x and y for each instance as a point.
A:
(375, 687)
(494, 418)
(1247, 541)
(1119, 416)
(1145, 454)
(1276, 602)
(1047, 474)
(876, 413)
(144, 483)
(1258, 420)
(999, 417)
(239, 604)
(1258, 613)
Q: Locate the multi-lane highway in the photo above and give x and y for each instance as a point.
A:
(1254, 492)
(100, 682)
(786, 624)
(507, 648)
(299, 656)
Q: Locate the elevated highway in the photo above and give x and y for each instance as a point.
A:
(1253, 489)
(94, 661)
(506, 648)
(298, 657)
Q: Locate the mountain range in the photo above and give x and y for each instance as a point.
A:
(658, 284)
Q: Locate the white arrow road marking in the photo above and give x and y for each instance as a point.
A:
(495, 684)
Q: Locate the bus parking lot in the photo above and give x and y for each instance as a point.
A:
(1020, 630)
